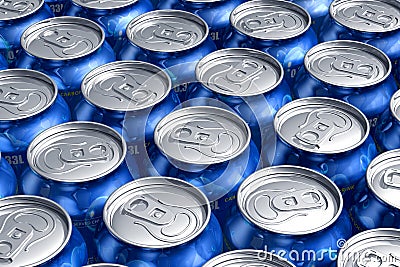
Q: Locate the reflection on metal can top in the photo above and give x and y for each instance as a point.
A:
(104, 4)
(16, 9)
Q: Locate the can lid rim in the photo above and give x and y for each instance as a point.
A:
(27, 14)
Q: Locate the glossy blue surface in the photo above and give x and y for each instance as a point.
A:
(57, 6)
(8, 181)
(387, 131)
(318, 10)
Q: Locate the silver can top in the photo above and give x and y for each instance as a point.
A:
(395, 105)
(248, 258)
(157, 212)
(76, 152)
(62, 38)
(33, 230)
(321, 125)
(383, 177)
(104, 265)
(270, 19)
(25, 93)
(202, 135)
(104, 4)
(378, 247)
(126, 86)
(290, 200)
(167, 31)
(348, 64)
(375, 16)
(16, 9)
(239, 72)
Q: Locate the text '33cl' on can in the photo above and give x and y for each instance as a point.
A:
(8, 181)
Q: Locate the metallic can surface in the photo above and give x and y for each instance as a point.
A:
(289, 209)
(113, 16)
(326, 135)
(78, 165)
(37, 232)
(172, 39)
(214, 12)
(318, 10)
(104, 265)
(159, 221)
(18, 16)
(66, 49)
(248, 81)
(354, 72)
(375, 200)
(279, 28)
(30, 104)
(57, 6)
(378, 247)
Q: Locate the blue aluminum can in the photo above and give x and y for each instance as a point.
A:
(15, 17)
(104, 265)
(215, 13)
(289, 210)
(36, 231)
(354, 72)
(113, 16)
(57, 6)
(29, 104)
(78, 165)
(279, 28)
(318, 10)
(375, 200)
(326, 135)
(159, 221)
(251, 83)
(66, 49)
(172, 39)
(8, 181)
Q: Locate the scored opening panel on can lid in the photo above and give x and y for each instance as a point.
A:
(76, 152)
(372, 16)
(348, 64)
(25, 93)
(202, 135)
(167, 31)
(105, 4)
(16, 9)
(274, 197)
(286, 19)
(248, 257)
(126, 86)
(62, 38)
(321, 125)
(239, 72)
(157, 212)
(381, 246)
(42, 226)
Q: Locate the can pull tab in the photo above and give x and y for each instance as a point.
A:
(366, 12)
(132, 90)
(355, 67)
(84, 152)
(265, 22)
(391, 178)
(299, 200)
(14, 6)
(173, 34)
(195, 133)
(244, 71)
(370, 257)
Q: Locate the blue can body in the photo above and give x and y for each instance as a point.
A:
(8, 182)
(3, 63)
(57, 6)
(112, 21)
(318, 10)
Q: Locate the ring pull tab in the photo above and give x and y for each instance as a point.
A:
(14, 6)
(299, 200)
(370, 257)
(195, 133)
(166, 32)
(244, 71)
(367, 13)
(391, 178)
(355, 67)
(132, 90)
(267, 22)
(86, 152)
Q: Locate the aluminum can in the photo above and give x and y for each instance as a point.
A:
(208, 147)
(78, 165)
(66, 49)
(36, 231)
(8, 181)
(295, 211)
(279, 28)
(387, 130)
(326, 135)
(113, 16)
(375, 202)
(318, 10)
(248, 257)
(377, 247)
(30, 104)
(15, 17)
(159, 221)
(57, 6)
(104, 265)
(354, 72)
(175, 40)
(215, 13)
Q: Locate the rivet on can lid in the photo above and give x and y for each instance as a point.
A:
(25, 93)
(104, 4)
(321, 125)
(62, 38)
(167, 31)
(33, 230)
(126, 86)
(157, 212)
(289, 200)
(76, 152)
(239, 72)
(17, 9)
(270, 19)
(374, 16)
(348, 63)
